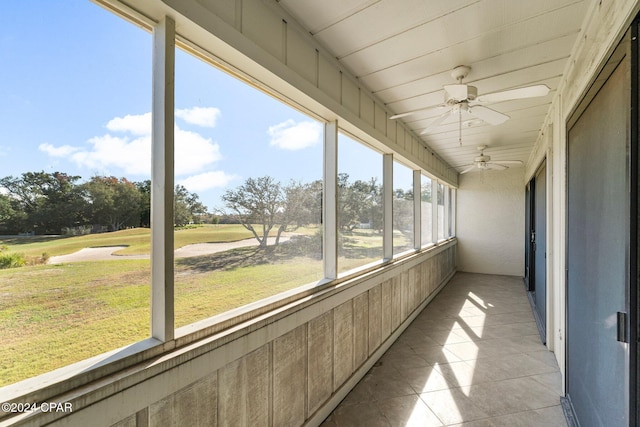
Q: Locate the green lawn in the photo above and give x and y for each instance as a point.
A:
(137, 240)
(54, 315)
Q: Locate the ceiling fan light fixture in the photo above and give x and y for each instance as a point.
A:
(484, 162)
(454, 94)
(462, 101)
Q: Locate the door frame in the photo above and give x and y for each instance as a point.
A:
(634, 238)
(633, 248)
(531, 237)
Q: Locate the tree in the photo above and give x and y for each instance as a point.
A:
(359, 202)
(301, 205)
(10, 218)
(113, 202)
(403, 212)
(187, 207)
(256, 202)
(144, 187)
(48, 201)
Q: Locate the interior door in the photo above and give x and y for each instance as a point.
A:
(597, 249)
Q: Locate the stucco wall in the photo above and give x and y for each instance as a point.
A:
(491, 205)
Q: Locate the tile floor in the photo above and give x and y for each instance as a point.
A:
(473, 357)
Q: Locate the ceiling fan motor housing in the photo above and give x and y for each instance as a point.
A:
(454, 94)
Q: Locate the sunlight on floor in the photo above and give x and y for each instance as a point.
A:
(473, 355)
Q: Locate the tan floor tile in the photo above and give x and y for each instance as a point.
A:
(467, 334)
(473, 357)
(423, 380)
(547, 417)
(360, 415)
(512, 330)
(408, 411)
(436, 354)
(453, 406)
(510, 366)
(552, 380)
(511, 396)
(544, 356)
(462, 374)
(412, 360)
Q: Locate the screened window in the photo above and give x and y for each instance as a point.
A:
(360, 210)
(402, 208)
(74, 185)
(426, 208)
(75, 192)
(248, 175)
(441, 211)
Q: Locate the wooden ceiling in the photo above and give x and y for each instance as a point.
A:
(403, 51)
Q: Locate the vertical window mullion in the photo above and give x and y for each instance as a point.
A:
(387, 203)
(434, 210)
(446, 211)
(417, 209)
(330, 201)
(453, 211)
(162, 167)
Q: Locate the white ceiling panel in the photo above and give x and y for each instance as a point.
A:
(403, 51)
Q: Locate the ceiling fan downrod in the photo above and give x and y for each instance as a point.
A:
(460, 125)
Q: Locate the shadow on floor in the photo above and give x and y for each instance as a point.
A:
(473, 357)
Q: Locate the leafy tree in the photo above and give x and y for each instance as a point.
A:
(144, 188)
(11, 218)
(187, 207)
(359, 202)
(425, 194)
(256, 204)
(48, 201)
(403, 212)
(113, 202)
(301, 205)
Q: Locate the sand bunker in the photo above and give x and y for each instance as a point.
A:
(197, 249)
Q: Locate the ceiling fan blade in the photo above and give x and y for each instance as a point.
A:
(507, 162)
(420, 110)
(469, 169)
(458, 92)
(488, 115)
(441, 118)
(492, 165)
(523, 92)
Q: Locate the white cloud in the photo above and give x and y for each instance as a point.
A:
(194, 152)
(110, 152)
(62, 151)
(290, 135)
(207, 180)
(131, 153)
(139, 124)
(201, 116)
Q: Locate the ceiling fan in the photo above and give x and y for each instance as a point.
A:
(459, 98)
(484, 162)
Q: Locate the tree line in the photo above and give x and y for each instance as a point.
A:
(264, 204)
(50, 203)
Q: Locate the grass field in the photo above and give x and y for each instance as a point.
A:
(54, 315)
(137, 240)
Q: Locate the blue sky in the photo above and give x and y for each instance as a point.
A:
(75, 97)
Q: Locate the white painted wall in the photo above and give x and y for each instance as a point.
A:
(491, 231)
